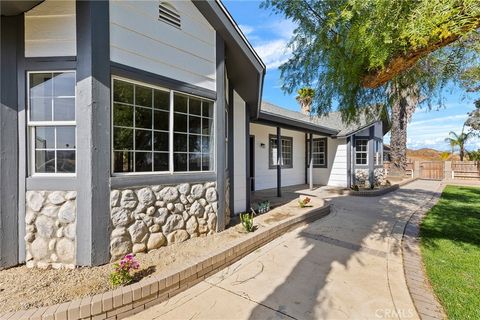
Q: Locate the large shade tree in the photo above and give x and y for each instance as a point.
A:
(394, 53)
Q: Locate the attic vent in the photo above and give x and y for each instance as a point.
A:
(167, 13)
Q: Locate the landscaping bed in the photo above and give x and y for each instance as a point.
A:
(24, 288)
(450, 246)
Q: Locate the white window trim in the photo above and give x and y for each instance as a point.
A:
(324, 165)
(171, 132)
(366, 152)
(31, 130)
(379, 158)
(270, 155)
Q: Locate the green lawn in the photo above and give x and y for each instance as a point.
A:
(450, 243)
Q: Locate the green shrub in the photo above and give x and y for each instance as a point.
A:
(247, 221)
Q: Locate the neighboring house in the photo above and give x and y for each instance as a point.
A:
(127, 125)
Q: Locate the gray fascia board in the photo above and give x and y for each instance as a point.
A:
(260, 84)
(294, 124)
(221, 20)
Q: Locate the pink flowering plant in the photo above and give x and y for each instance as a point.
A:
(123, 270)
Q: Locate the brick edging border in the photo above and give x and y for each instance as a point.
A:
(379, 192)
(423, 297)
(129, 300)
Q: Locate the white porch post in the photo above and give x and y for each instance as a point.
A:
(310, 161)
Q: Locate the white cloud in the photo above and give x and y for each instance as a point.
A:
(440, 119)
(273, 53)
(246, 29)
(270, 41)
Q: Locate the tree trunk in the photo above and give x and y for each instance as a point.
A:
(404, 100)
(462, 152)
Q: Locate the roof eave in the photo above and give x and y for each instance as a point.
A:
(246, 69)
(13, 8)
(269, 118)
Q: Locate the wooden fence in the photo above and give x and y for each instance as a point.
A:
(408, 170)
(466, 170)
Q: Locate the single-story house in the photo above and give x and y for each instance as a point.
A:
(127, 125)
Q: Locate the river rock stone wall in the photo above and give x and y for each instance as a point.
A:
(361, 177)
(50, 220)
(380, 177)
(147, 218)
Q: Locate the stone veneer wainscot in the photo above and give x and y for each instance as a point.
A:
(146, 218)
(50, 228)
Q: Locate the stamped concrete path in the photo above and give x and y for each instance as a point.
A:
(347, 265)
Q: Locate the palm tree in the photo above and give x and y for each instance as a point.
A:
(305, 98)
(404, 98)
(459, 140)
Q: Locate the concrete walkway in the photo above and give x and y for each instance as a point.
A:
(345, 266)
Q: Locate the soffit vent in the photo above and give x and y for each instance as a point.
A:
(167, 13)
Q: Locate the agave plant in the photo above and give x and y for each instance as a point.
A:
(247, 221)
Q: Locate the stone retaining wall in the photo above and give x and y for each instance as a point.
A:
(50, 228)
(147, 218)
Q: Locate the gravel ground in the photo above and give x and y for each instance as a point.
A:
(24, 288)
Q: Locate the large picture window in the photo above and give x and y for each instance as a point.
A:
(361, 154)
(51, 122)
(287, 152)
(142, 130)
(319, 153)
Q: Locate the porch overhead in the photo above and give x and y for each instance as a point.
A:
(12, 8)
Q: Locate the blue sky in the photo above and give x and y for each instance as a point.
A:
(269, 35)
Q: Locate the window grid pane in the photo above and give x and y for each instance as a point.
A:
(141, 130)
(361, 154)
(193, 132)
(51, 98)
(287, 152)
(318, 153)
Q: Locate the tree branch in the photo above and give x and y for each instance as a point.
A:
(402, 63)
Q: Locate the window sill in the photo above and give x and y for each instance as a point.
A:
(52, 183)
(130, 180)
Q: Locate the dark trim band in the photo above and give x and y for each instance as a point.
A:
(125, 71)
(52, 183)
(128, 181)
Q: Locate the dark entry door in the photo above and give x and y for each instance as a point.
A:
(252, 163)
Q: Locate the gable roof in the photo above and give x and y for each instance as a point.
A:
(245, 68)
(332, 122)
